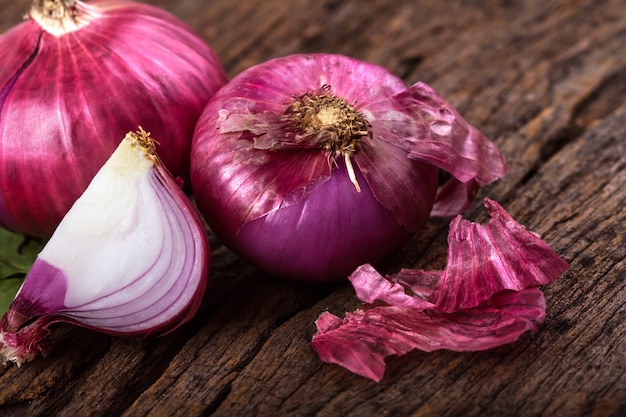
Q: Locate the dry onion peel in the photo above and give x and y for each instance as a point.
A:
(129, 258)
(488, 295)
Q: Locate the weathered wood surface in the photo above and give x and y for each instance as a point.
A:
(546, 80)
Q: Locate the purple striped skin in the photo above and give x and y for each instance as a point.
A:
(65, 100)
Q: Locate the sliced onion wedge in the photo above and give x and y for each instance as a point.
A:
(130, 258)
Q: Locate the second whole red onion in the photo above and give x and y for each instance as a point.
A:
(75, 75)
(310, 165)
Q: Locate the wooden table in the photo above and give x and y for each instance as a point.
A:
(546, 80)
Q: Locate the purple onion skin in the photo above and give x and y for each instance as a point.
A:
(488, 295)
(65, 100)
(44, 300)
(323, 235)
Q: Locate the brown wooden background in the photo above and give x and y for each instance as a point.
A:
(546, 80)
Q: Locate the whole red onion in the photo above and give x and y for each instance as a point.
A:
(311, 165)
(75, 77)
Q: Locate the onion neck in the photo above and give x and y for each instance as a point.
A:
(60, 17)
(135, 155)
(331, 123)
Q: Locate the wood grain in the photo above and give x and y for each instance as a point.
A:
(547, 82)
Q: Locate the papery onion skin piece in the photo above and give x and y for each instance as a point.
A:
(361, 341)
(276, 189)
(485, 259)
(488, 295)
(68, 92)
(130, 258)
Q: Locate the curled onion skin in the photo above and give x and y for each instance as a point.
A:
(130, 258)
(310, 165)
(488, 295)
(67, 88)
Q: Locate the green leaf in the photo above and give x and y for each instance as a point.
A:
(17, 254)
(8, 289)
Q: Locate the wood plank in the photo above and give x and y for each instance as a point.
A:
(547, 82)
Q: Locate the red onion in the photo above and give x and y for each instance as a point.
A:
(311, 165)
(488, 295)
(74, 76)
(129, 258)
